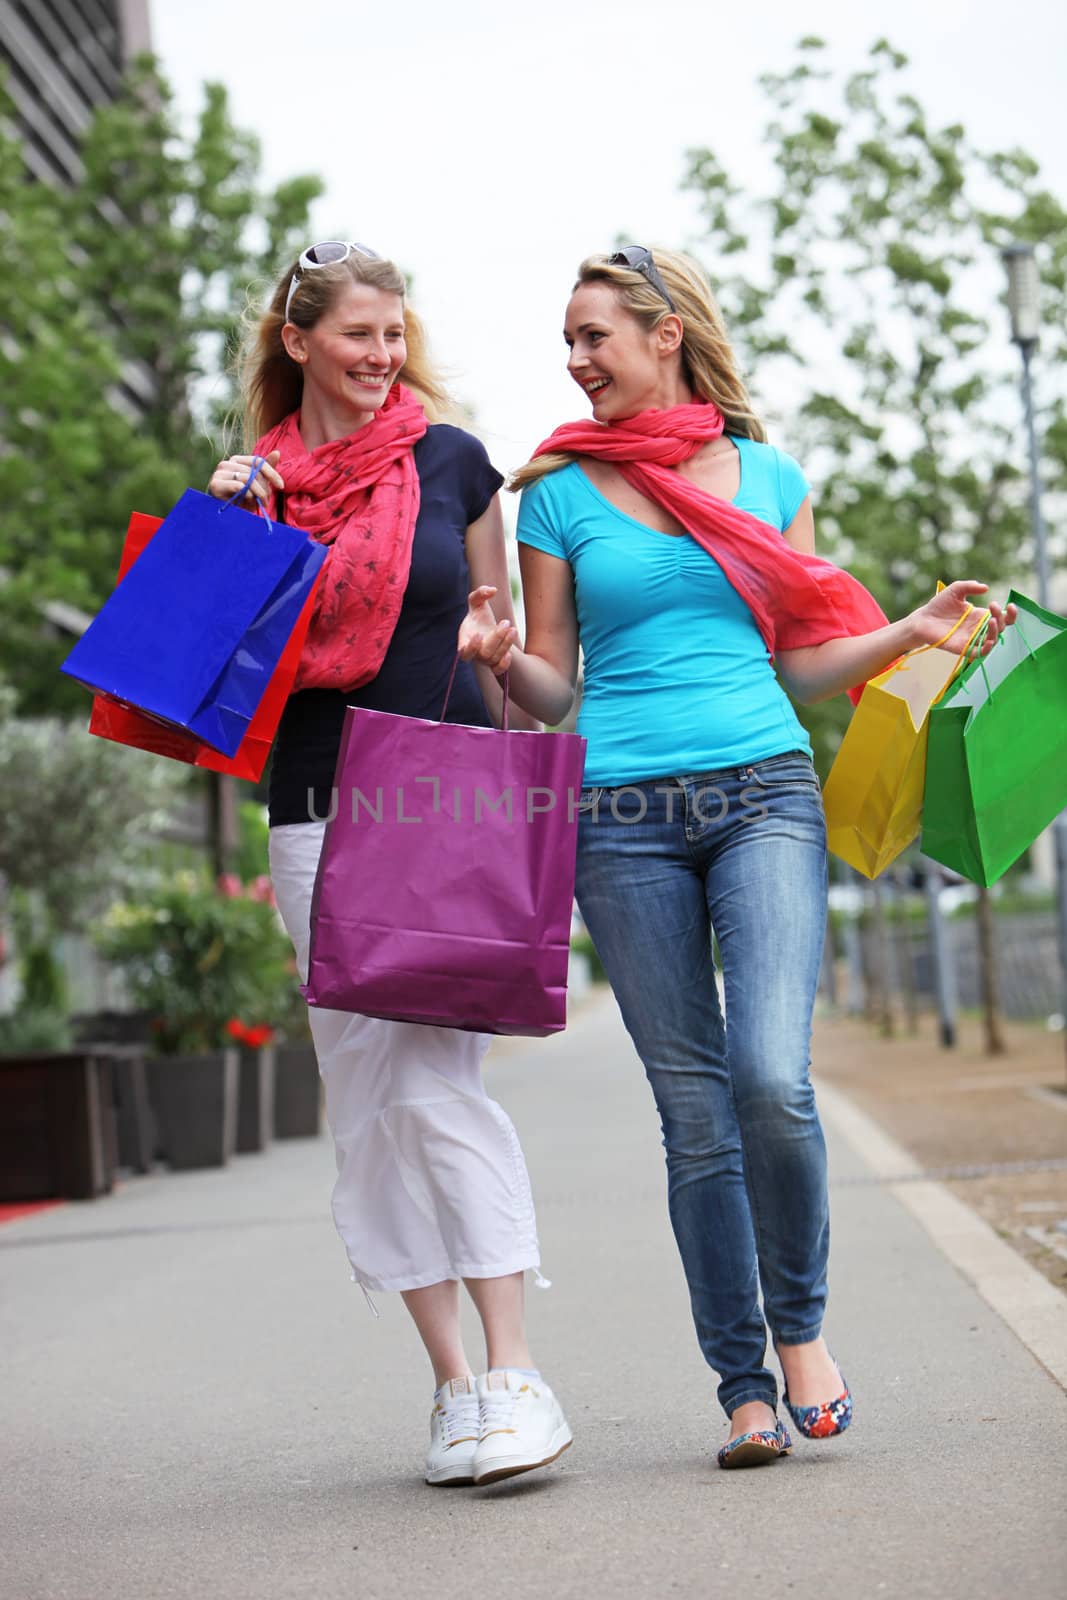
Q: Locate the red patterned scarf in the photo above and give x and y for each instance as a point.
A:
(796, 599)
(360, 496)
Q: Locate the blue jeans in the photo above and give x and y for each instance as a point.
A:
(664, 866)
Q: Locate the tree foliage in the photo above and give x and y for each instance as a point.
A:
(865, 294)
(122, 300)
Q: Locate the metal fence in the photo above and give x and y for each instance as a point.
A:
(895, 959)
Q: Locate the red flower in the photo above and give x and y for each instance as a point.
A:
(254, 1037)
(261, 888)
(229, 884)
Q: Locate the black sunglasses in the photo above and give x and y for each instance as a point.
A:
(638, 259)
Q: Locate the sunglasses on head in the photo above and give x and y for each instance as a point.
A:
(327, 254)
(638, 259)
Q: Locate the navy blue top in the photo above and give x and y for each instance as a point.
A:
(456, 481)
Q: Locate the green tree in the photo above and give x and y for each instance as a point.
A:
(864, 292)
(122, 301)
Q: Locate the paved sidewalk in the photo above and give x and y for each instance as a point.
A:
(993, 1128)
(197, 1403)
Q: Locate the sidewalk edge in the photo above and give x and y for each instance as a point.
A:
(1033, 1309)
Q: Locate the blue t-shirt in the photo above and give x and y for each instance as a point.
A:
(456, 483)
(677, 678)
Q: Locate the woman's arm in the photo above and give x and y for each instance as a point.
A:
(823, 670)
(819, 671)
(488, 563)
(544, 675)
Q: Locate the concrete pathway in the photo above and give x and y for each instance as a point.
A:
(195, 1402)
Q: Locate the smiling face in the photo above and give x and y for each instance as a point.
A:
(353, 354)
(621, 367)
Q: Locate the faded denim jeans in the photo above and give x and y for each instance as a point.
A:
(663, 866)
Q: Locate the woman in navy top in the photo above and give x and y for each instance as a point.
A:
(701, 814)
(432, 1187)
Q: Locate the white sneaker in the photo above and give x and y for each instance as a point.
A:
(454, 1429)
(523, 1426)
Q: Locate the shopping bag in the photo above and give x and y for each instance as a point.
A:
(445, 887)
(874, 792)
(996, 769)
(111, 720)
(195, 630)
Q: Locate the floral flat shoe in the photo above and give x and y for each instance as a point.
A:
(822, 1422)
(755, 1449)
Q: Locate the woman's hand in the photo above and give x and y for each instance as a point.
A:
(481, 637)
(816, 672)
(932, 621)
(231, 473)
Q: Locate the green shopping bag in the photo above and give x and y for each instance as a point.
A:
(996, 758)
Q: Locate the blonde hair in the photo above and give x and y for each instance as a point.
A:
(707, 358)
(272, 383)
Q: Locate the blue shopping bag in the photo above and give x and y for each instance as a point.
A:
(194, 631)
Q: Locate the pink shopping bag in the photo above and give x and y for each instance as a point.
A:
(446, 881)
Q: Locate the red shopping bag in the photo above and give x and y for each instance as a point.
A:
(111, 719)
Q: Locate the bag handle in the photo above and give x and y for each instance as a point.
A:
(936, 644)
(977, 634)
(258, 463)
(981, 660)
(502, 680)
(977, 637)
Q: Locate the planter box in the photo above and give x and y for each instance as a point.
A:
(135, 1132)
(134, 1120)
(297, 1092)
(255, 1100)
(195, 1100)
(57, 1127)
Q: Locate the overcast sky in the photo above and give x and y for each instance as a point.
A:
(488, 146)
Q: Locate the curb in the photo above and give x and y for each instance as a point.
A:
(19, 1210)
(1033, 1309)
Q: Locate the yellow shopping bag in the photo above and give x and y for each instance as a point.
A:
(873, 797)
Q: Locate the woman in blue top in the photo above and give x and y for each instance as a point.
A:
(701, 813)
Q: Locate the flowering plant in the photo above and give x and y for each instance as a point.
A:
(254, 1037)
(198, 956)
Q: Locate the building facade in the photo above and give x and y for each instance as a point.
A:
(61, 58)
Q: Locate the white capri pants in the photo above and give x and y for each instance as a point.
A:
(431, 1180)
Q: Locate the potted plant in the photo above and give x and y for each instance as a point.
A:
(77, 814)
(297, 1083)
(57, 1135)
(297, 1086)
(255, 1092)
(198, 956)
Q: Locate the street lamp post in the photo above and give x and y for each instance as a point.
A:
(1024, 308)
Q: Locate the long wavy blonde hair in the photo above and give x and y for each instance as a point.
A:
(271, 382)
(707, 358)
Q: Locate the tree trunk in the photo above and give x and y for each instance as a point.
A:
(905, 957)
(880, 1002)
(223, 821)
(987, 977)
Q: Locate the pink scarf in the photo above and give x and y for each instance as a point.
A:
(360, 496)
(796, 599)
